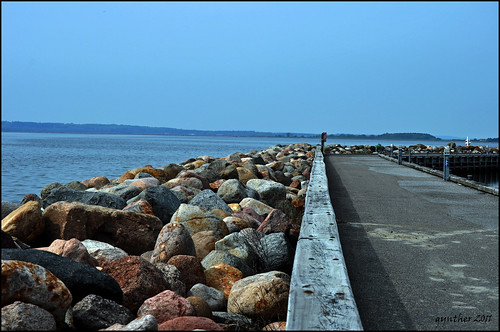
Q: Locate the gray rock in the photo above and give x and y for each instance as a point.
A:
(76, 185)
(81, 279)
(270, 191)
(208, 200)
(214, 297)
(235, 322)
(20, 316)
(94, 312)
(47, 189)
(102, 250)
(123, 190)
(91, 198)
(8, 207)
(276, 254)
(233, 191)
(144, 323)
(173, 277)
(162, 200)
(224, 257)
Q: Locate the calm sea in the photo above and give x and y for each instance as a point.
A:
(32, 160)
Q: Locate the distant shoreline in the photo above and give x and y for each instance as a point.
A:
(114, 129)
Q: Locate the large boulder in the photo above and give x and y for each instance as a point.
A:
(20, 316)
(208, 200)
(133, 232)
(81, 279)
(270, 191)
(94, 312)
(162, 200)
(123, 190)
(138, 279)
(263, 296)
(87, 197)
(174, 239)
(195, 220)
(25, 223)
(233, 191)
(165, 306)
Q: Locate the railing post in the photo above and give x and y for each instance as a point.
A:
(446, 164)
(409, 155)
(392, 150)
(400, 155)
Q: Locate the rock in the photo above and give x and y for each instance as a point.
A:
(103, 252)
(257, 206)
(8, 207)
(32, 283)
(80, 279)
(25, 223)
(98, 182)
(237, 245)
(235, 224)
(212, 296)
(158, 173)
(190, 268)
(171, 170)
(195, 220)
(123, 190)
(249, 216)
(20, 316)
(166, 305)
(275, 326)
(47, 189)
(72, 249)
(140, 206)
(86, 197)
(76, 185)
(208, 200)
(222, 277)
(244, 174)
(205, 184)
(216, 184)
(31, 197)
(270, 192)
(276, 221)
(94, 312)
(188, 182)
(190, 323)
(201, 307)
(224, 257)
(233, 191)
(263, 296)
(162, 200)
(135, 233)
(144, 323)
(276, 254)
(138, 279)
(173, 277)
(204, 243)
(174, 239)
(234, 322)
(8, 242)
(221, 214)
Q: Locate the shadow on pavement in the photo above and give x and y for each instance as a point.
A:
(378, 303)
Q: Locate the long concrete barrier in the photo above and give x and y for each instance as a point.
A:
(320, 296)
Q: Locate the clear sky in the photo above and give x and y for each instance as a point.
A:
(302, 67)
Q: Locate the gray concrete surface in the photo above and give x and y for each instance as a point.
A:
(320, 295)
(421, 253)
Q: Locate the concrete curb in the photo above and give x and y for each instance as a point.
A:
(320, 291)
(453, 178)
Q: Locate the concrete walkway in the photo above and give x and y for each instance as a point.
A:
(421, 253)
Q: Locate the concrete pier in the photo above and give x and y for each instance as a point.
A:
(421, 253)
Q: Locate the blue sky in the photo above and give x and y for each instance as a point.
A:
(308, 67)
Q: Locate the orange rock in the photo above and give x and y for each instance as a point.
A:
(222, 277)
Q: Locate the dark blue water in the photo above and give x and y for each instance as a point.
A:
(32, 160)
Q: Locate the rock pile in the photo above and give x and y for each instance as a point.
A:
(416, 148)
(206, 244)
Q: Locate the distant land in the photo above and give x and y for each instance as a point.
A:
(51, 127)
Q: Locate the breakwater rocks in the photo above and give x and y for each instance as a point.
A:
(205, 244)
(416, 148)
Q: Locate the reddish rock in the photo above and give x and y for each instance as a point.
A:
(140, 206)
(298, 202)
(73, 249)
(204, 243)
(222, 277)
(138, 279)
(276, 222)
(188, 323)
(295, 184)
(190, 268)
(98, 182)
(133, 232)
(125, 176)
(145, 183)
(165, 306)
(173, 240)
(216, 184)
